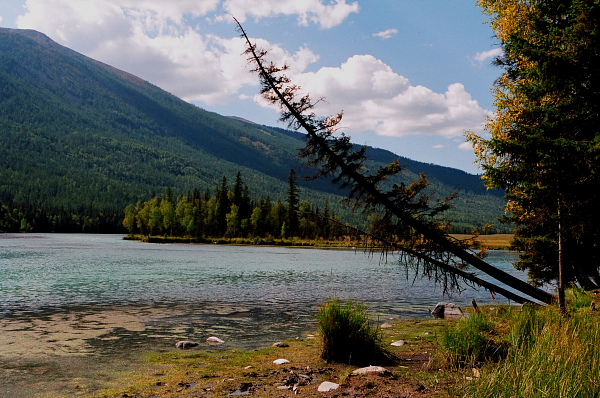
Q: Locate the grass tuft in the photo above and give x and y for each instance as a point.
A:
(348, 335)
(471, 342)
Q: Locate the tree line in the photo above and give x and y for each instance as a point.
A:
(232, 213)
(28, 217)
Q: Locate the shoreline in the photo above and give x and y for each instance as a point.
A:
(490, 242)
(87, 350)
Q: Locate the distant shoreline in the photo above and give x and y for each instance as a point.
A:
(491, 242)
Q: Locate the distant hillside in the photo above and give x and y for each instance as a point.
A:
(78, 134)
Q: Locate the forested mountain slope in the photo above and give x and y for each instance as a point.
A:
(76, 134)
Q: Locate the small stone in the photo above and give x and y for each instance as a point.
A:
(371, 370)
(327, 386)
(280, 344)
(281, 361)
(398, 343)
(214, 340)
(186, 345)
(386, 325)
(238, 392)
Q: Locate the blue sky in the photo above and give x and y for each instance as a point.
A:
(411, 76)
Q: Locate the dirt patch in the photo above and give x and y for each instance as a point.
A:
(198, 373)
(49, 353)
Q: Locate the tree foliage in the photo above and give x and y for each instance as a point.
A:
(409, 214)
(197, 217)
(544, 147)
(77, 136)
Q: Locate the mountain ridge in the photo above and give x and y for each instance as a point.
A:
(78, 132)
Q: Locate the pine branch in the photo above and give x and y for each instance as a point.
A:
(336, 157)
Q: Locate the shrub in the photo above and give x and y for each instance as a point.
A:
(578, 298)
(348, 336)
(470, 342)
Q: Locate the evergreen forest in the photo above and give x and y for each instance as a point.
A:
(81, 141)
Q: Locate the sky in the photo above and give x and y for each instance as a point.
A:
(410, 76)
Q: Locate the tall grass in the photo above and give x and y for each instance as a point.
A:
(550, 355)
(471, 342)
(348, 335)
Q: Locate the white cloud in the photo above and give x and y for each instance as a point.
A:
(149, 39)
(439, 146)
(79, 25)
(307, 11)
(386, 34)
(466, 146)
(485, 56)
(84, 23)
(375, 98)
(1, 18)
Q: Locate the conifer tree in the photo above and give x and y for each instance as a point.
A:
(412, 226)
(292, 205)
(543, 149)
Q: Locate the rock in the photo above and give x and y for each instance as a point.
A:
(327, 386)
(281, 361)
(214, 340)
(447, 311)
(371, 370)
(386, 325)
(398, 343)
(186, 345)
(238, 392)
(280, 344)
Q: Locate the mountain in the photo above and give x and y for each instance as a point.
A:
(77, 134)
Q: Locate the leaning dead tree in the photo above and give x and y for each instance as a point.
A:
(407, 221)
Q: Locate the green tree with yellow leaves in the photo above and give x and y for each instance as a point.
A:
(544, 149)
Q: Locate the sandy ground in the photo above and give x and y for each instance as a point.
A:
(79, 350)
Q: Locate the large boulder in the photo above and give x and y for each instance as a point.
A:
(447, 311)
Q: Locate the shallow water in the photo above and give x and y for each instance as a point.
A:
(74, 308)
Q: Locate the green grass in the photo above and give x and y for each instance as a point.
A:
(504, 351)
(547, 353)
(348, 335)
(198, 373)
(471, 342)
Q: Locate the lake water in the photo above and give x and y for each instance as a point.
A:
(81, 296)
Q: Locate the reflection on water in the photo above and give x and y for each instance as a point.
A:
(81, 295)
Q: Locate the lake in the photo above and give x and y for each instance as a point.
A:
(68, 299)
